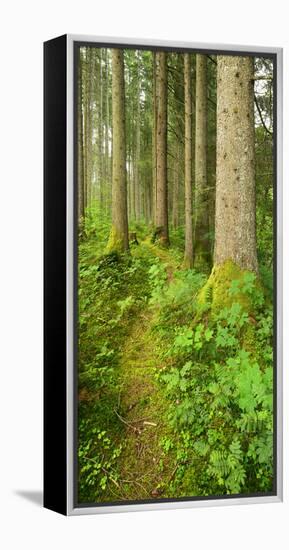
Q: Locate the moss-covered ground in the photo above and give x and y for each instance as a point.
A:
(175, 377)
(136, 423)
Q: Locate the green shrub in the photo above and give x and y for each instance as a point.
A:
(219, 380)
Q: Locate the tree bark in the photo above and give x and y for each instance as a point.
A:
(88, 126)
(161, 148)
(154, 142)
(80, 145)
(188, 258)
(84, 126)
(176, 185)
(118, 240)
(138, 187)
(87, 157)
(100, 135)
(106, 117)
(235, 221)
(133, 194)
(201, 245)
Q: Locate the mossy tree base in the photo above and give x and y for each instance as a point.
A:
(187, 263)
(164, 242)
(215, 294)
(159, 237)
(117, 242)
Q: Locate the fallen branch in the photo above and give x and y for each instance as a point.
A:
(173, 473)
(135, 420)
(261, 117)
(124, 421)
(149, 423)
(110, 478)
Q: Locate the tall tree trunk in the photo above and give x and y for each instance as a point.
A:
(91, 123)
(118, 240)
(176, 186)
(154, 142)
(100, 135)
(148, 200)
(133, 194)
(235, 221)
(188, 258)
(130, 141)
(84, 126)
(107, 175)
(80, 145)
(202, 255)
(161, 149)
(88, 126)
(129, 189)
(138, 190)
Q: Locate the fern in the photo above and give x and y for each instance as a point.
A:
(220, 393)
(208, 294)
(235, 449)
(201, 447)
(235, 479)
(219, 465)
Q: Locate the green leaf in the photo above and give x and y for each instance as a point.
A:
(208, 334)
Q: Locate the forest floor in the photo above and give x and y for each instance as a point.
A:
(159, 417)
(144, 472)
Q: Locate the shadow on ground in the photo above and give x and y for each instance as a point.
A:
(36, 497)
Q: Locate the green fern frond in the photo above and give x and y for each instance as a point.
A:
(208, 293)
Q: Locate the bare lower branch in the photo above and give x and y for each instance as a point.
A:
(261, 117)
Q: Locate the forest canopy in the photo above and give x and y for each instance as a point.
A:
(175, 203)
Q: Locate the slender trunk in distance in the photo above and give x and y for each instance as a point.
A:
(118, 240)
(188, 257)
(202, 256)
(80, 147)
(161, 149)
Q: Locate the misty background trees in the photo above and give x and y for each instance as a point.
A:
(149, 151)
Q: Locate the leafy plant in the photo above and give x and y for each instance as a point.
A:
(224, 403)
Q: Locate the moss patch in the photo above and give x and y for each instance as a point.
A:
(142, 409)
(115, 242)
(215, 294)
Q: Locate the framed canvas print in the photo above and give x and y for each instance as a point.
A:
(163, 298)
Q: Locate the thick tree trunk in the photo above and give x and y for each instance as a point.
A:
(202, 257)
(119, 231)
(161, 148)
(235, 221)
(188, 258)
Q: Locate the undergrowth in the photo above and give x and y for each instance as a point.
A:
(113, 289)
(218, 377)
(214, 370)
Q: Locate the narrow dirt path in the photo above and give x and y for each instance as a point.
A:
(144, 469)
